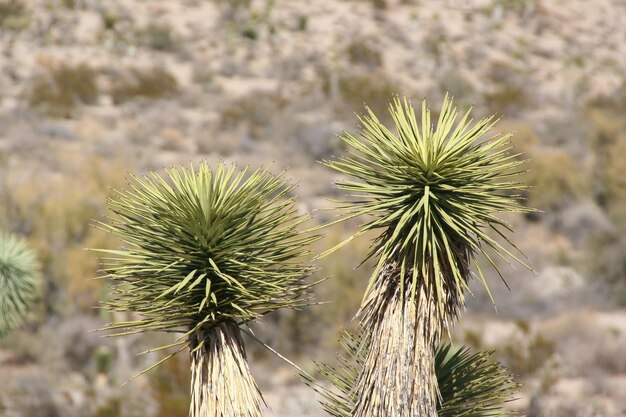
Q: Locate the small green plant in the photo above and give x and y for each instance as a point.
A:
(527, 356)
(380, 4)
(111, 408)
(357, 89)
(170, 385)
(155, 82)
(507, 99)
(19, 282)
(254, 111)
(159, 37)
(361, 51)
(303, 23)
(61, 88)
(110, 19)
(13, 15)
(554, 178)
(207, 251)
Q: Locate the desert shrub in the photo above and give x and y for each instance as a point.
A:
(506, 93)
(169, 384)
(25, 347)
(607, 249)
(303, 23)
(174, 140)
(57, 216)
(606, 259)
(13, 15)
(379, 4)
(524, 140)
(517, 7)
(11, 8)
(233, 9)
(155, 82)
(434, 41)
(102, 358)
(607, 139)
(110, 19)
(554, 178)
(61, 88)
(457, 84)
(374, 89)
(506, 99)
(527, 355)
(127, 403)
(111, 408)
(616, 180)
(159, 37)
(473, 338)
(361, 51)
(30, 394)
(254, 111)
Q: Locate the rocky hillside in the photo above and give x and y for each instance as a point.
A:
(92, 90)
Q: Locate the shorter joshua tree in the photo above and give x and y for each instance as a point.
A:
(19, 281)
(208, 251)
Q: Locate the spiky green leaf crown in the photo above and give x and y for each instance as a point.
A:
(204, 246)
(19, 281)
(469, 384)
(434, 191)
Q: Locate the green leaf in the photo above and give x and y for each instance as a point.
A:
(433, 192)
(205, 245)
(20, 281)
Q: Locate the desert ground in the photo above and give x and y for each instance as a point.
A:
(91, 92)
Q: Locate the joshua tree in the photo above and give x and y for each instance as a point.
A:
(433, 192)
(468, 383)
(206, 252)
(19, 281)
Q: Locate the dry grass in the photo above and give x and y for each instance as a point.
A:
(13, 15)
(57, 215)
(356, 90)
(555, 179)
(60, 88)
(150, 83)
(363, 52)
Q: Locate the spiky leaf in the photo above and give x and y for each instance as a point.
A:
(19, 281)
(469, 384)
(433, 191)
(204, 246)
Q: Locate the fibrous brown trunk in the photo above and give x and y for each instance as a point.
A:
(398, 376)
(221, 382)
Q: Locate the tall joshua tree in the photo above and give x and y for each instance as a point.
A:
(433, 192)
(19, 281)
(206, 252)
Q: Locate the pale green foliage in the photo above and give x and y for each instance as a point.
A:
(19, 281)
(434, 192)
(204, 247)
(469, 384)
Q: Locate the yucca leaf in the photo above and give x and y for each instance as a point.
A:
(19, 281)
(203, 246)
(433, 192)
(469, 383)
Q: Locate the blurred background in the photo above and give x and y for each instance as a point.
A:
(92, 90)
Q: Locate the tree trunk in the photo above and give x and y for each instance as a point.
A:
(221, 382)
(398, 377)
